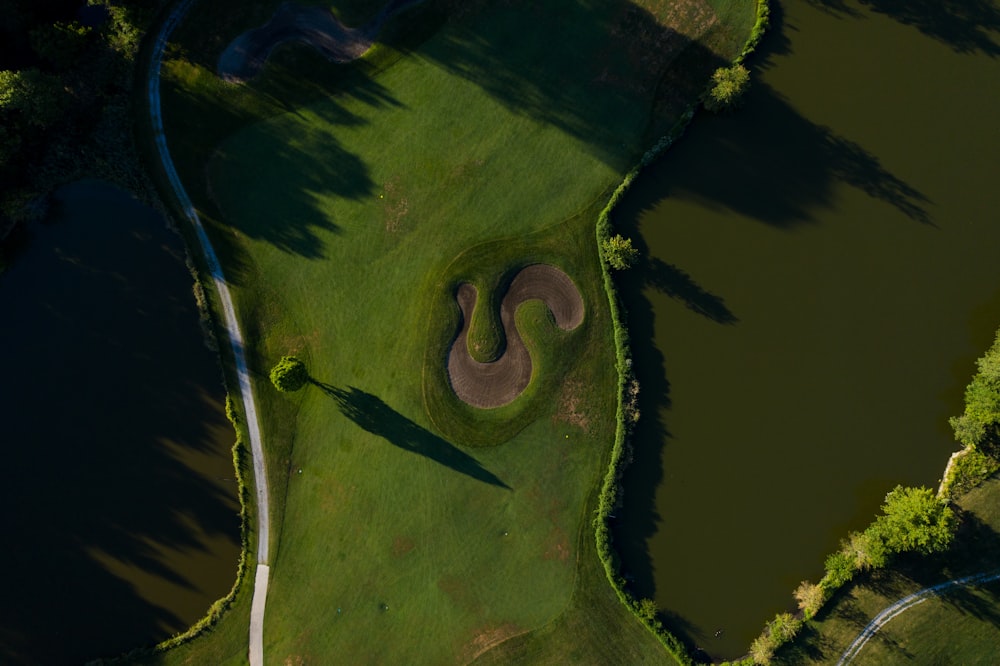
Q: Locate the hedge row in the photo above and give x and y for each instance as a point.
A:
(628, 387)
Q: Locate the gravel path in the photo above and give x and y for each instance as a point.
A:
(232, 329)
(905, 604)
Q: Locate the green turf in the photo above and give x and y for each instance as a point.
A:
(346, 203)
(959, 627)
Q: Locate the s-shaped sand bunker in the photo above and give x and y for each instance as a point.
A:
(495, 384)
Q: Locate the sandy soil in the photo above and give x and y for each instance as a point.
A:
(498, 383)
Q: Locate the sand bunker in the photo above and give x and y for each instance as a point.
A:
(318, 27)
(495, 384)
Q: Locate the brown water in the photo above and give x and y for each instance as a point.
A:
(821, 274)
(120, 515)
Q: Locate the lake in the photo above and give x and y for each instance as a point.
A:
(819, 277)
(119, 499)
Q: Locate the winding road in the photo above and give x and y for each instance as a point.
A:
(256, 650)
(905, 604)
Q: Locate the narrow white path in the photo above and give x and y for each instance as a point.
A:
(905, 604)
(232, 329)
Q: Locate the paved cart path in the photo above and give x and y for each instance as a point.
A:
(232, 330)
(905, 604)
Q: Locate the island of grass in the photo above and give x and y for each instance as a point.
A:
(348, 204)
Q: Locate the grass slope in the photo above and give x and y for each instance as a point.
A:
(345, 202)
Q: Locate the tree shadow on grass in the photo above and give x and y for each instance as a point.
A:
(966, 26)
(370, 413)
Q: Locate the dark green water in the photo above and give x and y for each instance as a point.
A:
(120, 513)
(821, 274)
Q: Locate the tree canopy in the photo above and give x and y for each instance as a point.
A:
(914, 520)
(618, 252)
(289, 374)
(728, 86)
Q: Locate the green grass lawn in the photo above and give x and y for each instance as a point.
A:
(346, 203)
(959, 627)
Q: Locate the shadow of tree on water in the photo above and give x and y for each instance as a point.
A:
(116, 447)
(678, 285)
(370, 413)
(966, 26)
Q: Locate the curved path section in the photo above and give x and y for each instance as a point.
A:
(232, 330)
(905, 604)
(316, 26)
(495, 384)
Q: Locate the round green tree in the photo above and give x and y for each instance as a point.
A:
(289, 374)
(618, 252)
(728, 86)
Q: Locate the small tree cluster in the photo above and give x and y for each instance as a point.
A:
(978, 426)
(289, 374)
(728, 86)
(912, 520)
(778, 631)
(810, 598)
(618, 252)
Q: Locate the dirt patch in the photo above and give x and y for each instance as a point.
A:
(487, 638)
(402, 545)
(557, 546)
(458, 592)
(570, 409)
(395, 205)
(317, 27)
(495, 384)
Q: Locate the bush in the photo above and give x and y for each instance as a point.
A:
(618, 252)
(810, 598)
(839, 569)
(289, 374)
(729, 84)
(914, 520)
(969, 468)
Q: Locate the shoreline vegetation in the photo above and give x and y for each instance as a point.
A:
(611, 492)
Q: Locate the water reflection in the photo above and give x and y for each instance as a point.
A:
(119, 499)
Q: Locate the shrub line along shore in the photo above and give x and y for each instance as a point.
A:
(626, 417)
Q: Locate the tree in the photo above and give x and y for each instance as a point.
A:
(60, 43)
(914, 520)
(289, 374)
(728, 86)
(867, 548)
(618, 252)
(810, 598)
(38, 97)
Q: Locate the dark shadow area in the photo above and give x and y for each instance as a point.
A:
(593, 68)
(584, 66)
(772, 164)
(115, 439)
(677, 284)
(809, 645)
(370, 413)
(967, 26)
